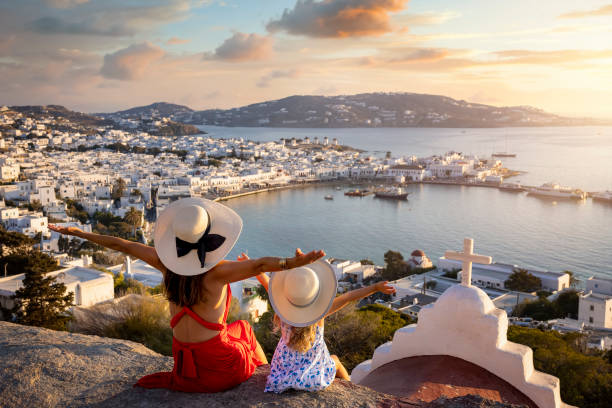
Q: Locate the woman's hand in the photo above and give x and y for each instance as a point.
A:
(65, 230)
(301, 259)
(385, 288)
(243, 257)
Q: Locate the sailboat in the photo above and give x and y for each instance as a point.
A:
(505, 153)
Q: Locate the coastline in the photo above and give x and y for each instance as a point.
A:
(359, 182)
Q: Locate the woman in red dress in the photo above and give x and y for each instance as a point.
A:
(192, 236)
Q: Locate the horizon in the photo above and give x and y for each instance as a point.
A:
(106, 56)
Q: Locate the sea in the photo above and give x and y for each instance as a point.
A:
(514, 228)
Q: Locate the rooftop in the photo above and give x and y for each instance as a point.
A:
(74, 274)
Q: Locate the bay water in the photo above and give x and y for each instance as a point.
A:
(513, 228)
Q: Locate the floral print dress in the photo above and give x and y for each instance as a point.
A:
(311, 371)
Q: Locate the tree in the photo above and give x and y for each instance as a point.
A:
(118, 188)
(523, 281)
(573, 280)
(35, 205)
(134, 218)
(586, 381)
(395, 267)
(42, 301)
(28, 261)
(366, 262)
(565, 305)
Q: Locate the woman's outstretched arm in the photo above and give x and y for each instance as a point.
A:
(234, 271)
(263, 279)
(135, 249)
(357, 294)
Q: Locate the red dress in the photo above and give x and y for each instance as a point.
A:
(214, 365)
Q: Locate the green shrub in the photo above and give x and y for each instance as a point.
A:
(586, 381)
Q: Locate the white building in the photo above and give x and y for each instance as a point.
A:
(410, 172)
(89, 286)
(418, 259)
(9, 172)
(353, 270)
(595, 306)
(495, 274)
(28, 224)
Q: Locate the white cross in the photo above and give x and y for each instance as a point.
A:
(467, 257)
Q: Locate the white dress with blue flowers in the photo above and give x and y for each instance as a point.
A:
(311, 371)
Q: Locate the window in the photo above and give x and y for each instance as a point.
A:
(590, 320)
(592, 308)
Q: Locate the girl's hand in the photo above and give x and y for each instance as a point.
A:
(301, 259)
(64, 230)
(243, 257)
(384, 287)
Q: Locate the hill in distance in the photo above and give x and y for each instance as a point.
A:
(362, 110)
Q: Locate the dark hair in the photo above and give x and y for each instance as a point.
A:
(183, 290)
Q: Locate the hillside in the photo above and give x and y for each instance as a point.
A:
(162, 108)
(362, 110)
(45, 368)
(59, 111)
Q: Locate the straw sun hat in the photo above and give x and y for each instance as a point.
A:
(192, 235)
(302, 296)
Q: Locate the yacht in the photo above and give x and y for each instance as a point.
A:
(603, 196)
(554, 190)
(512, 187)
(357, 193)
(394, 193)
(329, 197)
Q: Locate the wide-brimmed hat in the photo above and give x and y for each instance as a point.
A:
(192, 235)
(302, 296)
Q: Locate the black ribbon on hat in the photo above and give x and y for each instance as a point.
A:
(207, 243)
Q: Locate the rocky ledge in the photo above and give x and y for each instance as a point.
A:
(45, 368)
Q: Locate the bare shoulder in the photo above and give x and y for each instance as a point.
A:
(214, 277)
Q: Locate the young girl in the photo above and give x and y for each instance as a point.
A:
(301, 359)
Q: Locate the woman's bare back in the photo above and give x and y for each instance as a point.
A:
(212, 309)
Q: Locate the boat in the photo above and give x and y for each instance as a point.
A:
(338, 188)
(504, 153)
(512, 187)
(357, 193)
(554, 190)
(603, 196)
(394, 193)
(329, 197)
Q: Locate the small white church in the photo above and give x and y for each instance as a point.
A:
(89, 286)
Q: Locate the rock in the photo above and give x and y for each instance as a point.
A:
(46, 368)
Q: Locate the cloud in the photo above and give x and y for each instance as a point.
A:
(338, 18)
(265, 80)
(416, 55)
(177, 41)
(549, 57)
(109, 19)
(131, 62)
(64, 3)
(602, 11)
(6, 44)
(243, 47)
(427, 18)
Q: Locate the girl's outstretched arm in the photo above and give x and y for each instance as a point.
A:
(357, 294)
(135, 249)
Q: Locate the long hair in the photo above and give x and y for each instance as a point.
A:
(184, 290)
(301, 338)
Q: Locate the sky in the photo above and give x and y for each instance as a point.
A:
(107, 55)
